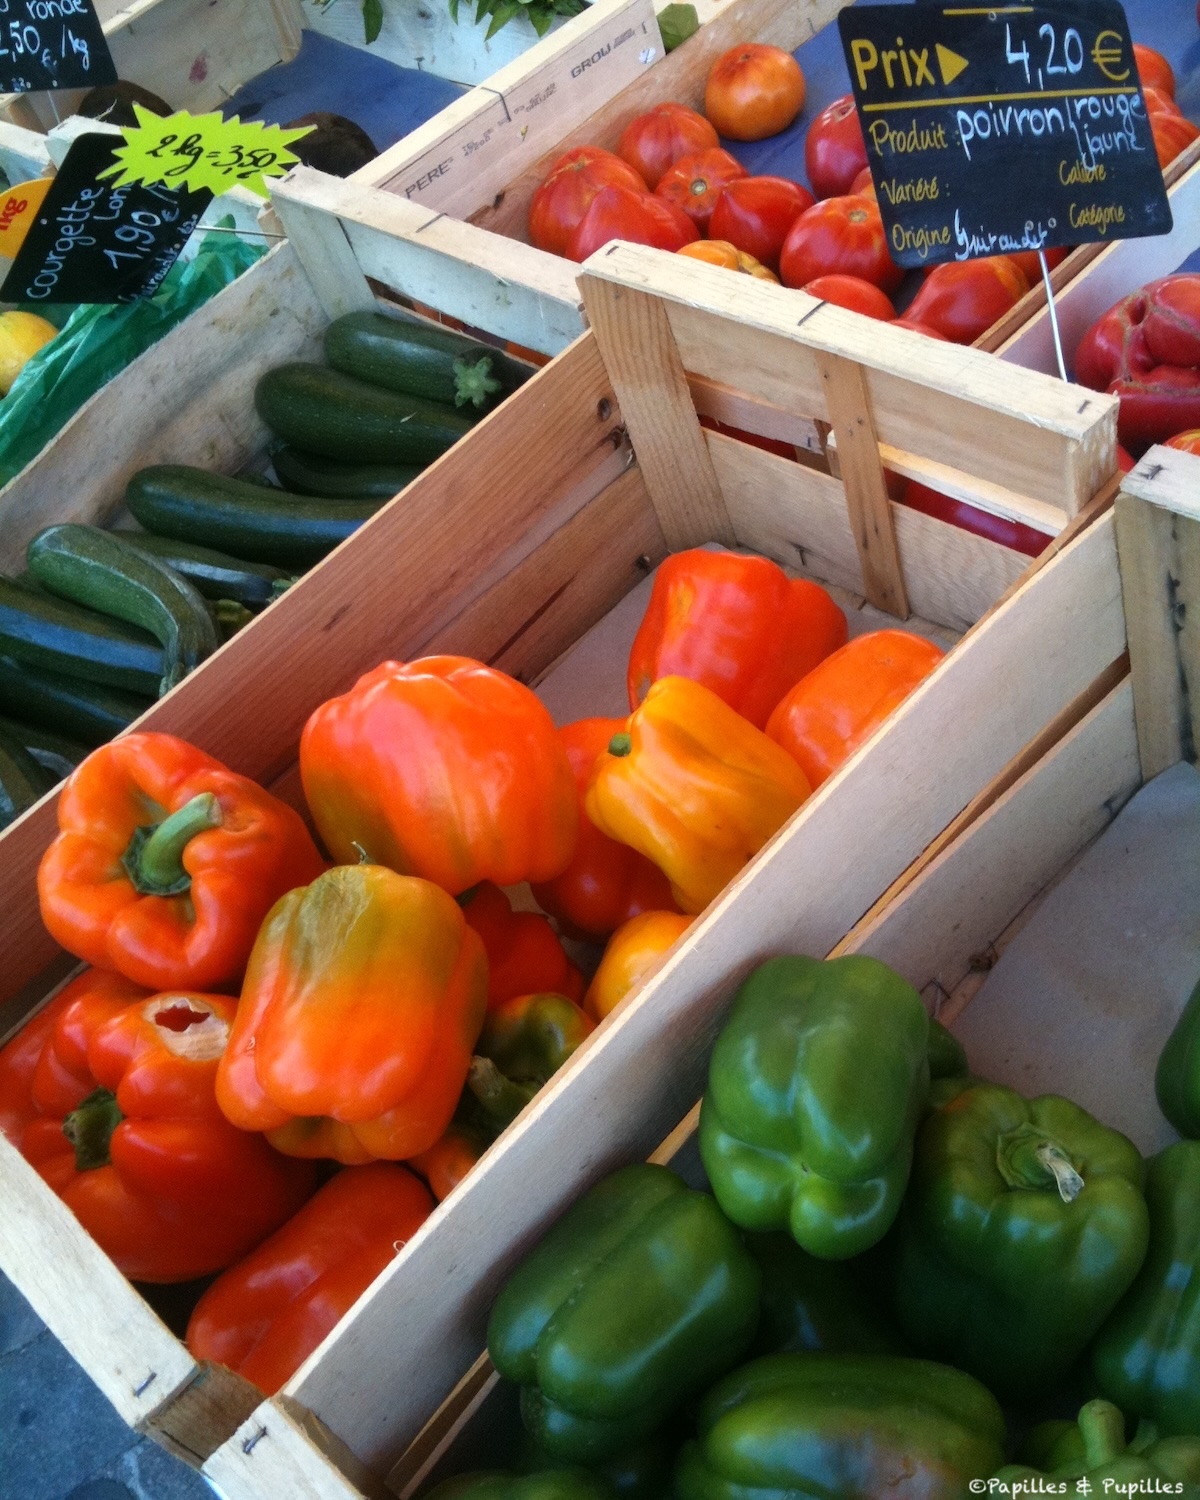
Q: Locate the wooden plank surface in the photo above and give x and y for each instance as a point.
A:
(867, 502)
(486, 281)
(1045, 439)
(483, 506)
(798, 516)
(635, 342)
(422, 1322)
(83, 1299)
(272, 1456)
(322, 248)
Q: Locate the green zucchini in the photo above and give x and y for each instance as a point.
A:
(326, 412)
(57, 754)
(310, 474)
(216, 575)
(88, 711)
(191, 505)
(22, 780)
(55, 636)
(420, 359)
(228, 616)
(98, 570)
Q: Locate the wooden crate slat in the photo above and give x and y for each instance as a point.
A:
(797, 516)
(466, 153)
(971, 892)
(1043, 439)
(422, 1321)
(635, 342)
(273, 1453)
(88, 1305)
(485, 281)
(870, 510)
(320, 242)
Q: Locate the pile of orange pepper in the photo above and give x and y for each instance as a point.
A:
(274, 1064)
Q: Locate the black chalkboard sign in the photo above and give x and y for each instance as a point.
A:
(52, 44)
(93, 242)
(1012, 128)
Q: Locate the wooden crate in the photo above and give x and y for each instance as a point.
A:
(466, 177)
(947, 920)
(508, 549)
(482, 555)
(193, 53)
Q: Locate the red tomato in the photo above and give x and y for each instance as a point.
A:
(1172, 134)
(855, 293)
(963, 298)
(842, 235)
(1031, 267)
(835, 151)
(755, 214)
(617, 213)
(864, 185)
(657, 140)
(922, 328)
(1154, 70)
(981, 522)
(754, 91)
(1186, 442)
(694, 184)
(1126, 462)
(563, 198)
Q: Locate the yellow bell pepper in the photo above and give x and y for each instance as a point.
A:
(694, 787)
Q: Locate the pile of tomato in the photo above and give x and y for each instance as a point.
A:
(670, 183)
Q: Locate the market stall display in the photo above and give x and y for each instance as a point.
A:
(481, 555)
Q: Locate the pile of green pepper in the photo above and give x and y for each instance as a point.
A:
(890, 1248)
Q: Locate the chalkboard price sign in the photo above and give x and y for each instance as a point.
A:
(94, 242)
(52, 44)
(1000, 129)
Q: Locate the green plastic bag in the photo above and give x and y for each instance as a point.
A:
(98, 340)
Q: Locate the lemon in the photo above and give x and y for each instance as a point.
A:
(22, 334)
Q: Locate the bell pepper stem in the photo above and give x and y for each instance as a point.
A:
(89, 1129)
(1103, 1429)
(501, 1099)
(620, 744)
(154, 859)
(1025, 1158)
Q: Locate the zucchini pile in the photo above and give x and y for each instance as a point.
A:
(104, 622)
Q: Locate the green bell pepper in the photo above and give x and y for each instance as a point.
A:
(1094, 1451)
(815, 1089)
(1177, 1079)
(639, 1296)
(553, 1484)
(1023, 1227)
(817, 1305)
(522, 1046)
(841, 1427)
(947, 1056)
(1147, 1357)
(642, 1472)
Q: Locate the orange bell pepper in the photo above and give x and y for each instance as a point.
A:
(450, 1157)
(606, 883)
(842, 702)
(442, 768)
(633, 953)
(524, 956)
(266, 1315)
(694, 787)
(363, 998)
(166, 863)
(109, 1094)
(736, 623)
(522, 1045)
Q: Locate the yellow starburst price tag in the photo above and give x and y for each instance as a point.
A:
(203, 151)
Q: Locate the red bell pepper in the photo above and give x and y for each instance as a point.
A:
(524, 956)
(1146, 351)
(267, 1314)
(109, 1093)
(606, 883)
(166, 863)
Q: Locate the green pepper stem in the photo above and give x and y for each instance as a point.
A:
(90, 1127)
(1026, 1159)
(620, 744)
(502, 1100)
(1103, 1429)
(154, 859)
